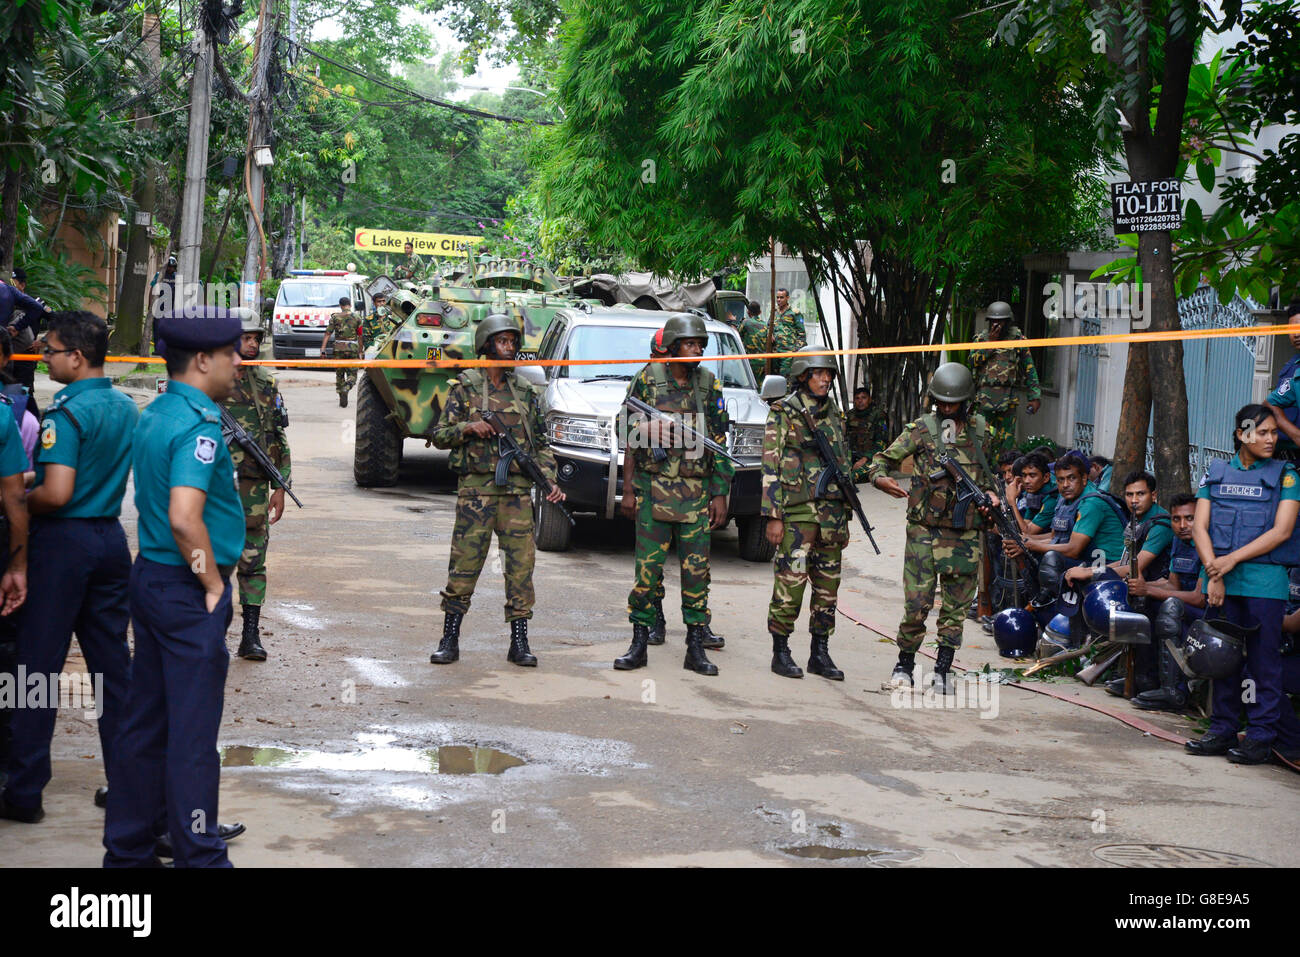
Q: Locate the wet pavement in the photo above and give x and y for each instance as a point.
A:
(347, 747)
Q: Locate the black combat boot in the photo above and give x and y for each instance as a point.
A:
(519, 652)
(449, 648)
(902, 676)
(943, 679)
(1142, 684)
(636, 656)
(696, 660)
(659, 631)
(250, 647)
(1212, 745)
(782, 663)
(711, 641)
(1172, 693)
(343, 400)
(819, 663)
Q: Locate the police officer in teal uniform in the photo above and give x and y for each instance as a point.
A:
(80, 562)
(13, 580)
(191, 530)
(1245, 515)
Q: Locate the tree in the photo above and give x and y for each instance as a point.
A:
(892, 145)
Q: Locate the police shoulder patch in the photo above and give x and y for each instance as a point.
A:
(205, 449)
(1284, 388)
(48, 436)
(1289, 479)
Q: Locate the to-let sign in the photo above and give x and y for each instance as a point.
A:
(426, 244)
(1146, 207)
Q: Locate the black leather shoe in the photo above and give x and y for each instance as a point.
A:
(1250, 751)
(1161, 699)
(101, 796)
(659, 630)
(250, 644)
(696, 660)
(449, 648)
(162, 845)
(820, 662)
(519, 653)
(20, 814)
(782, 663)
(1211, 744)
(636, 656)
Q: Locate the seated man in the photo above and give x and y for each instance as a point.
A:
(1087, 527)
(1033, 494)
(1100, 472)
(999, 589)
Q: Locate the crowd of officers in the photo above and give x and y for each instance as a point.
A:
(205, 508)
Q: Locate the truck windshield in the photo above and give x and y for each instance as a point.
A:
(633, 342)
(324, 295)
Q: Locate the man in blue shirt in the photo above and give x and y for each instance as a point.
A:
(11, 298)
(191, 530)
(80, 561)
(1282, 400)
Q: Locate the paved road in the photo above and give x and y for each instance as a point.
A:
(658, 766)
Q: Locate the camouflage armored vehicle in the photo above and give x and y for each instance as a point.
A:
(646, 291)
(396, 404)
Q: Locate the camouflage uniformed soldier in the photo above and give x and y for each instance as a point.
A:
(998, 374)
(411, 268)
(377, 323)
(343, 328)
(942, 535)
(683, 496)
(482, 506)
(810, 532)
(753, 336)
(788, 335)
(865, 426)
(256, 404)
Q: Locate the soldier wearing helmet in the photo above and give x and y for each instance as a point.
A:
(942, 533)
(257, 405)
(342, 329)
(482, 505)
(998, 374)
(809, 531)
(683, 496)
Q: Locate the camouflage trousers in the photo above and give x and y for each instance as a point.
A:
(932, 553)
(653, 539)
(477, 517)
(255, 496)
(1002, 427)
(807, 552)
(345, 379)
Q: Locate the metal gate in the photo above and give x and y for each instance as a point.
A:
(1085, 395)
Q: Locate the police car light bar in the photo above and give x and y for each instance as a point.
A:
(318, 272)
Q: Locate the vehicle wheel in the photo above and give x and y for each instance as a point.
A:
(377, 453)
(551, 530)
(754, 546)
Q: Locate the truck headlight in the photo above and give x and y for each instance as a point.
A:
(579, 431)
(748, 442)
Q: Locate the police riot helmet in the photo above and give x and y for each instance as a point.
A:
(493, 325)
(1098, 601)
(802, 363)
(952, 382)
(1015, 632)
(685, 326)
(1055, 638)
(1213, 648)
(998, 312)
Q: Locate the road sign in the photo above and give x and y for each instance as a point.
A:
(426, 244)
(1146, 207)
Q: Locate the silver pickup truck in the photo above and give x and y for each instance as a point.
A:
(581, 406)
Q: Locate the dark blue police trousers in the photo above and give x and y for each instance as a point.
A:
(167, 747)
(1262, 698)
(77, 574)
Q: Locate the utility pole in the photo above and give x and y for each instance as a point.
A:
(258, 156)
(190, 243)
(132, 303)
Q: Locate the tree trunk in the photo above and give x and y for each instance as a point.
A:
(1135, 411)
(1168, 387)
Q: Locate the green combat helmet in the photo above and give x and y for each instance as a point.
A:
(250, 320)
(684, 327)
(998, 312)
(491, 326)
(805, 363)
(952, 382)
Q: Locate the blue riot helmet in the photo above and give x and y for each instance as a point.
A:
(1015, 632)
(1213, 648)
(1055, 638)
(1098, 601)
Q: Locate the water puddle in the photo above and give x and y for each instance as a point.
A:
(449, 759)
(828, 852)
(292, 612)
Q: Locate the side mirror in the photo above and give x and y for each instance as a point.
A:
(536, 375)
(774, 387)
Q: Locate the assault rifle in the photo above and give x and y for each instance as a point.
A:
(512, 451)
(968, 493)
(834, 476)
(658, 415)
(230, 429)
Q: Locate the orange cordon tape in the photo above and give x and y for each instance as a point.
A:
(1165, 336)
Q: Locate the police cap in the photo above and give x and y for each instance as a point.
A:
(197, 329)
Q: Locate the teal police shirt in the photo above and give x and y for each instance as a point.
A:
(178, 442)
(88, 427)
(13, 459)
(1101, 524)
(1050, 497)
(1256, 579)
(1161, 536)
